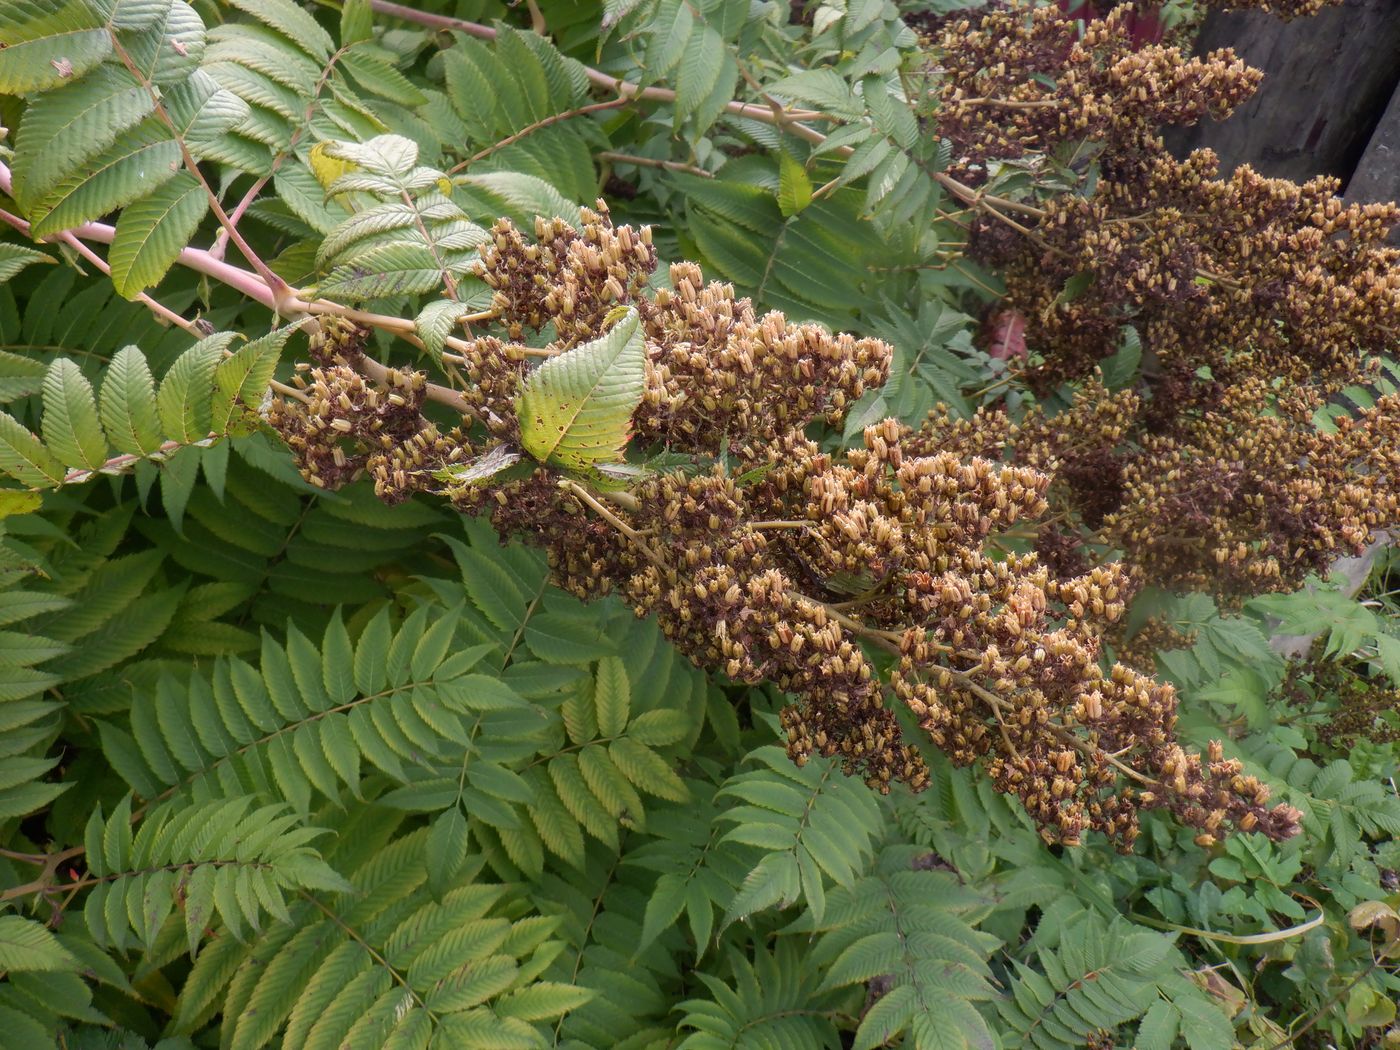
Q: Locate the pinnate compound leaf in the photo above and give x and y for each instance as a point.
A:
(576, 409)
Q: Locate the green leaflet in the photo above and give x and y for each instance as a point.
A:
(14, 258)
(28, 945)
(242, 379)
(292, 22)
(70, 424)
(131, 167)
(576, 409)
(185, 392)
(152, 232)
(437, 319)
(64, 127)
(50, 48)
(128, 404)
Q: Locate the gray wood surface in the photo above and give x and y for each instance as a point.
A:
(1328, 79)
(1377, 176)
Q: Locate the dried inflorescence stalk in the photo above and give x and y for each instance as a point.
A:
(860, 582)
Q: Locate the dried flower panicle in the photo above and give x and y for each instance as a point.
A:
(1255, 300)
(715, 366)
(1140, 649)
(1245, 496)
(1020, 80)
(1285, 9)
(1206, 267)
(1243, 500)
(1351, 706)
(570, 278)
(860, 582)
(345, 418)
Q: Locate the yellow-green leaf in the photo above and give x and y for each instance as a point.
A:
(794, 187)
(576, 409)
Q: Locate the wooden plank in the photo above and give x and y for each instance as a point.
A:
(1377, 176)
(1328, 79)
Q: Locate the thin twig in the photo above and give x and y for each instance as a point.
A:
(651, 162)
(595, 76)
(1006, 103)
(275, 284)
(530, 129)
(221, 238)
(589, 500)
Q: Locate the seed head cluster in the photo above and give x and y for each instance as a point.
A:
(864, 582)
(346, 421)
(1021, 80)
(1245, 496)
(1255, 300)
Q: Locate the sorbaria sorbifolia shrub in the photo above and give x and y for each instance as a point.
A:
(299, 746)
(770, 559)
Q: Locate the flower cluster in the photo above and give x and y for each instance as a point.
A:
(1204, 267)
(1254, 299)
(864, 583)
(1352, 707)
(346, 420)
(1021, 80)
(715, 367)
(1251, 497)
(1284, 9)
(1244, 496)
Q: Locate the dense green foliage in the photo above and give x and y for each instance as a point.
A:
(288, 767)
